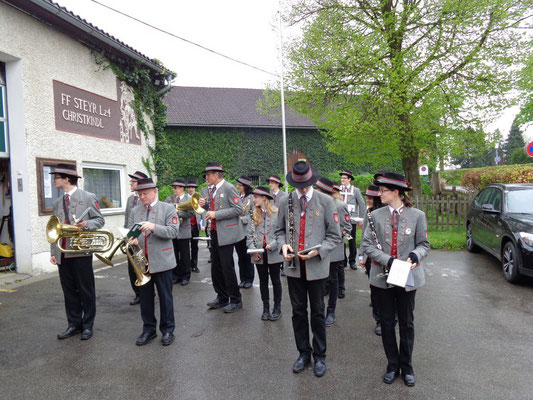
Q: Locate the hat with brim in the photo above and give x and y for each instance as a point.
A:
(138, 175)
(392, 180)
(263, 191)
(213, 167)
(372, 191)
(65, 169)
(146, 183)
(337, 187)
(245, 180)
(178, 182)
(192, 184)
(275, 178)
(302, 175)
(325, 185)
(347, 173)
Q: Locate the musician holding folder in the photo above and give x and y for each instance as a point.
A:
(307, 231)
(396, 232)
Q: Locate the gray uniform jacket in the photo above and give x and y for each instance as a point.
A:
(127, 212)
(228, 209)
(265, 230)
(184, 215)
(159, 241)
(321, 227)
(412, 237)
(356, 204)
(277, 197)
(79, 202)
(247, 200)
(337, 254)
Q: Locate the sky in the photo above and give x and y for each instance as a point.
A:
(246, 30)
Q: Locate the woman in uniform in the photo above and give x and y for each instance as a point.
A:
(246, 268)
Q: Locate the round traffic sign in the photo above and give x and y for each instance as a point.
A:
(529, 149)
(497, 159)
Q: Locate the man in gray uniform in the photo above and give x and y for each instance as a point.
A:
(351, 195)
(307, 218)
(225, 229)
(75, 269)
(132, 201)
(159, 225)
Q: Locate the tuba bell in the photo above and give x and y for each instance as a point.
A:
(81, 241)
(191, 204)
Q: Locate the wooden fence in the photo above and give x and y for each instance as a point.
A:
(445, 211)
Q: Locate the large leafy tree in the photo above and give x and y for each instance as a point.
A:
(393, 79)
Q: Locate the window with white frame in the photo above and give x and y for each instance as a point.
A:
(105, 181)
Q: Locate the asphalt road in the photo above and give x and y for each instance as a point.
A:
(473, 341)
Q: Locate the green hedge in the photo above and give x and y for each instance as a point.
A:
(478, 178)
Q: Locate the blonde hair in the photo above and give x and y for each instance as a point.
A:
(258, 212)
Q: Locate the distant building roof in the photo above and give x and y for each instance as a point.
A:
(225, 107)
(81, 30)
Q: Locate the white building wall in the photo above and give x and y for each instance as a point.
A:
(46, 55)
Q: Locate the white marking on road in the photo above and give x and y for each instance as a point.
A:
(445, 275)
(102, 269)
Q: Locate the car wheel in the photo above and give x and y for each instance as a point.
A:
(470, 245)
(510, 262)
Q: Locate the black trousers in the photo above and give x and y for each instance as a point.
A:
(194, 246)
(77, 281)
(333, 284)
(352, 246)
(375, 309)
(246, 268)
(223, 271)
(163, 282)
(300, 290)
(133, 278)
(389, 301)
(274, 270)
(340, 272)
(182, 271)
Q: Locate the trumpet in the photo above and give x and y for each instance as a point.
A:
(135, 255)
(81, 241)
(191, 204)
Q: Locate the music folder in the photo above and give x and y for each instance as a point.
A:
(399, 273)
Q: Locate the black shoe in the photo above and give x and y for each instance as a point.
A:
(135, 301)
(87, 334)
(247, 285)
(232, 307)
(330, 319)
(283, 273)
(167, 338)
(195, 270)
(217, 303)
(353, 266)
(71, 331)
(390, 377)
(300, 364)
(341, 294)
(266, 312)
(145, 338)
(377, 329)
(209, 261)
(241, 284)
(320, 367)
(176, 281)
(276, 312)
(409, 380)
(184, 282)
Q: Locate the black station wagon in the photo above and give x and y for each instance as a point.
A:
(500, 221)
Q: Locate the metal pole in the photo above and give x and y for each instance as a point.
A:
(283, 131)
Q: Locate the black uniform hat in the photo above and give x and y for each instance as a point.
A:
(275, 178)
(372, 191)
(325, 185)
(213, 166)
(393, 180)
(263, 191)
(302, 175)
(146, 183)
(138, 175)
(179, 182)
(192, 183)
(347, 173)
(66, 169)
(245, 180)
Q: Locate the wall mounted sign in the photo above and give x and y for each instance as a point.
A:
(79, 111)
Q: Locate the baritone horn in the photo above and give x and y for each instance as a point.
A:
(81, 241)
(135, 256)
(191, 204)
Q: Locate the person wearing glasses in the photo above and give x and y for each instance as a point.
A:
(401, 233)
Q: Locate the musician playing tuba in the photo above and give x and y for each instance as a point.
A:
(75, 269)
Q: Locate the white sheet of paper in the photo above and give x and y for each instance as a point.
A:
(399, 272)
(123, 231)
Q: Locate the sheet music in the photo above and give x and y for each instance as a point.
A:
(399, 273)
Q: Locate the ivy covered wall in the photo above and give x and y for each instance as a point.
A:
(242, 151)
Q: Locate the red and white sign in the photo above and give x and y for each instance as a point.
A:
(529, 149)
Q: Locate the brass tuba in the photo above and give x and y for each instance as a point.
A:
(135, 255)
(81, 241)
(191, 204)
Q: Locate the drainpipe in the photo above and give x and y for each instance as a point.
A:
(169, 79)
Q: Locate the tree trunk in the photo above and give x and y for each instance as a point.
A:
(410, 168)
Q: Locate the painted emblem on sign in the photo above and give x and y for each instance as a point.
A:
(408, 231)
(335, 217)
(347, 217)
(174, 220)
(236, 200)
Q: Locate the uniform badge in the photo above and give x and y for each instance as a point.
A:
(317, 213)
(95, 204)
(335, 217)
(221, 194)
(236, 200)
(174, 220)
(347, 217)
(408, 231)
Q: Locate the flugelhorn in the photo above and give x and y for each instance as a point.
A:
(191, 204)
(81, 241)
